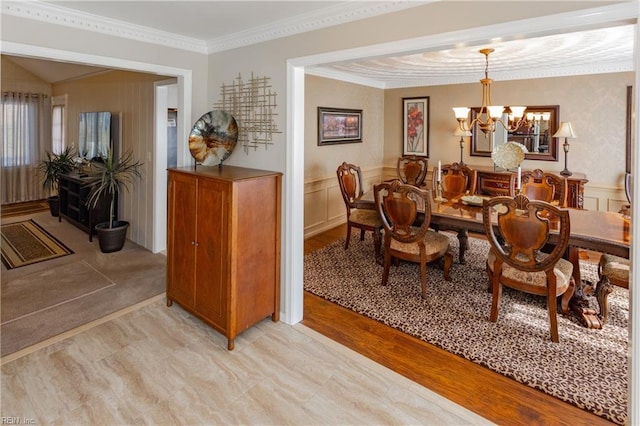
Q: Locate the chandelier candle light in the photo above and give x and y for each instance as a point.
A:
(462, 134)
(439, 196)
(488, 115)
(565, 131)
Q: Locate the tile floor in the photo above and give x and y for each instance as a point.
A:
(160, 365)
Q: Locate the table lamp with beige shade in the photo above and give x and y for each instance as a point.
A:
(462, 133)
(565, 131)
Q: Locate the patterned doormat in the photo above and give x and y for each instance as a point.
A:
(25, 243)
(588, 368)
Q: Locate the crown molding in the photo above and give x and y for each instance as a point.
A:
(327, 17)
(346, 77)
(330, 16)
(72, 18)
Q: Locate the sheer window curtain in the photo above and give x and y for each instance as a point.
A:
(25, 137)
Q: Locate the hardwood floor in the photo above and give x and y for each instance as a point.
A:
(489, 394)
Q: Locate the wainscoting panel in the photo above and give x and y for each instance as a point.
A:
(314, 216)
(323, 205)
(604, 198)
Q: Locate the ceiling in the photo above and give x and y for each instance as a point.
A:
(210, 26)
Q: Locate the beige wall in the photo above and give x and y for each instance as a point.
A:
(594, 104)
(324, 207)
(17, 79)
(322, 161)
(132, 95)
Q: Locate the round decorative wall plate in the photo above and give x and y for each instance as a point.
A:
(213, 138)
(508, 156)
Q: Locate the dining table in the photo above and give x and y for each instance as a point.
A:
(598, 231)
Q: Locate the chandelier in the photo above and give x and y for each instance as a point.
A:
(489, 115)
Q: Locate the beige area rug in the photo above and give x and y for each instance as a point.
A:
(25, 243)
(43, 300)
(588, 368)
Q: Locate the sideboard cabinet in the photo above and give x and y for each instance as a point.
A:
(74, 197)
(223, 245)
(491, 182)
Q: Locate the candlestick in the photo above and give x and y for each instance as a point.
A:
(439, 171)
(439, 196)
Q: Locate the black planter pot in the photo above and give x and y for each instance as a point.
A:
(54, 205)
(112, 239)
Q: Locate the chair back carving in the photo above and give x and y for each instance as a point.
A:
(350, 181)
(457, 179)
(399, 205)
(522, 230)
(412, 169)
(543, 186)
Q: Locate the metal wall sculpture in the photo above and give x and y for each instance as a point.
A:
(253, 106)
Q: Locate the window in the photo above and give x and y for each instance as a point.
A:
(18, 129)
(25, 135)
(58, 123)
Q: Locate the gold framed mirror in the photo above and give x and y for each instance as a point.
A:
(535, 134)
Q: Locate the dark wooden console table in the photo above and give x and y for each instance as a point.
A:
(74, 194)
(491, 182)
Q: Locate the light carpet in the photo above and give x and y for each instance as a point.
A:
(26, 242)
(588, 368)
(44, 300)
(49, 288)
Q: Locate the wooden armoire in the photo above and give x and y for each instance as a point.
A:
(223, 245)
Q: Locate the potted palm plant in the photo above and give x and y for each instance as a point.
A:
(107, 179)
(51, 168)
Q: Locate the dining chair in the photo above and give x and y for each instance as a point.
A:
(517, 229)
(613, 270)
(412, 169)
(456, 180)
(401, 208)
(351, 186)
(544, 186)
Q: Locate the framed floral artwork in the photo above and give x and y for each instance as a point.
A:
(415, 117)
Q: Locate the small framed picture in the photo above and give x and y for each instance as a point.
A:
(338, 125)
(415, 116)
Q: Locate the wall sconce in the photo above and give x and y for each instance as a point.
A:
(462, 133)
(565, 131)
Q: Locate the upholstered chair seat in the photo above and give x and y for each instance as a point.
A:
(563, 271)
(612, 270)
(369, 218)
(614, 267)
(435, 244)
